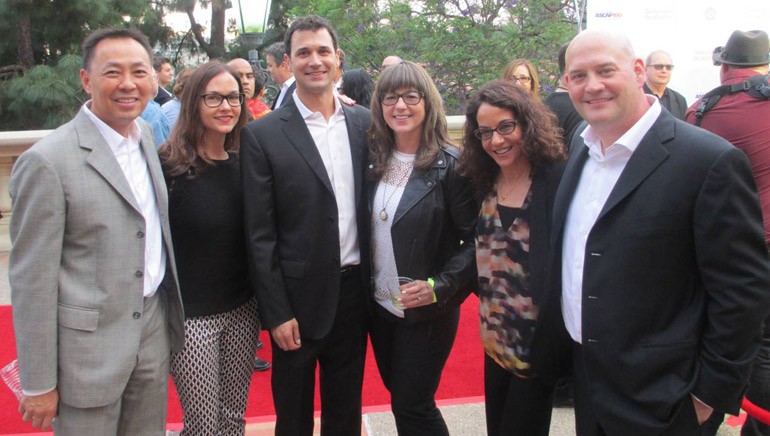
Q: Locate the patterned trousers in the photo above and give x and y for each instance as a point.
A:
(212, 373)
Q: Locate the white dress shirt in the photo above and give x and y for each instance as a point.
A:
(331, 139)
(132, 161)
(284, 89)
(598, 178)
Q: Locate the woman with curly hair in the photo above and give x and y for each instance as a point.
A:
(523, 73)
(513, 154)
(205, 206)
(423, 216)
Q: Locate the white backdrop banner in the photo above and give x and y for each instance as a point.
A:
(687, 29)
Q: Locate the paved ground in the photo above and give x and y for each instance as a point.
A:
(462, 419)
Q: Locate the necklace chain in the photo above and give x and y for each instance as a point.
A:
(405, 170)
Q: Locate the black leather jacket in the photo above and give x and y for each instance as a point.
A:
(433, 233)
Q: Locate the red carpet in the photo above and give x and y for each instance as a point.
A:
(463, 375)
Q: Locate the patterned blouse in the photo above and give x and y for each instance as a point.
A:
(507, 310)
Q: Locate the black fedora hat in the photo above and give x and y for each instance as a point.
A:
(744, 49)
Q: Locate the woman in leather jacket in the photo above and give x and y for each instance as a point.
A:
(423, 215)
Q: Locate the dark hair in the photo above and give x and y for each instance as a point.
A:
(539, 132)
(312, 23)
(534, 84)
(181, 80)
(259, 84)
(382, 141)
(276, 50)
(357, 85)
(563, 58)
(182, 152)
(99, 35)
(158, 62)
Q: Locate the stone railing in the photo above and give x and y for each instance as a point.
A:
(12, 144)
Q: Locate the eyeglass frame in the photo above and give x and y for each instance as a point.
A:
(481, 132)
(660, 67)
(522, 79)
(241, 98)
(384, 94)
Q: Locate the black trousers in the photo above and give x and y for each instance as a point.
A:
(340, 356)
(411, 358)
(514, 405)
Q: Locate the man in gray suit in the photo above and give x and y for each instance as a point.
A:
(96, 305)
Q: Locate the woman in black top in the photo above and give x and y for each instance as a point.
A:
(200, 162)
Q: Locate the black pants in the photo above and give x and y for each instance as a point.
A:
(411, 359)
(515, 406)
(341, 356)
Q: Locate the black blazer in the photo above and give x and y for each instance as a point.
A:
(675, 282)
(286, 97)
(291, 218)
(432, 233)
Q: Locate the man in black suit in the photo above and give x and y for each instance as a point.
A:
(306, 221)
(658, 254)
(278, 65)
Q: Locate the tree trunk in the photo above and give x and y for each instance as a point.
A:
(26, 57)
(217, 28)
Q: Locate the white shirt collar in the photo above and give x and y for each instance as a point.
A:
(113, 138)
(287, 83)
(633, 136)
(307, 113)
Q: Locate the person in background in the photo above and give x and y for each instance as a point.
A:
(422, 222)
(658, 255)
(165, 72)
(524, 74)
(658, 69)
(357, 85)
(96, 304)
(561, 105)
(389, 61)
(734, 118)
(153, 114)
(513, 153)
(171, 108)
(200, 162)
(278, 65)
(338, 80)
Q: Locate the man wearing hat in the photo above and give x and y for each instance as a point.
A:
(741, 118)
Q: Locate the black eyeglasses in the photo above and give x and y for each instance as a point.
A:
(504, 128)
(411, 98)
(215, 100)
(662, 66)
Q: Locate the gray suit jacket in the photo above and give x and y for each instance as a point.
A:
(78, 248)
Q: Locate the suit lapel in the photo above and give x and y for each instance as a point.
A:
(577, 158)
(102, 159)
(156, 173)
(357, 139)
(648, 155)
(297, 133)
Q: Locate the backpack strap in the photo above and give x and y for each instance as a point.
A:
(755, 86)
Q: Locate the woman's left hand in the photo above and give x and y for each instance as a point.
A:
(417, 293)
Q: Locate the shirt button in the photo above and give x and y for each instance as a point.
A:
(140, 234)
(137, 315)
(138, 274)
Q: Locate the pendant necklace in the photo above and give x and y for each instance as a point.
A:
(385, 203)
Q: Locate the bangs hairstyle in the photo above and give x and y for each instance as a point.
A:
(534, 84)
(540, 134)
(406, 75)
(182, 153)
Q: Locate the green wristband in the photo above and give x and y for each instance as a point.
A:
(432, 284)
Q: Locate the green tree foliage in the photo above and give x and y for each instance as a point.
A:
(44, 98)
(462, 43)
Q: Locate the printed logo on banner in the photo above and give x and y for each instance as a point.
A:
(609, 14)
(710, 14)
(658, 14)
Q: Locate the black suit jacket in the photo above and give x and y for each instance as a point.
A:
(292, 219)
(675, 281)
(286, 98)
